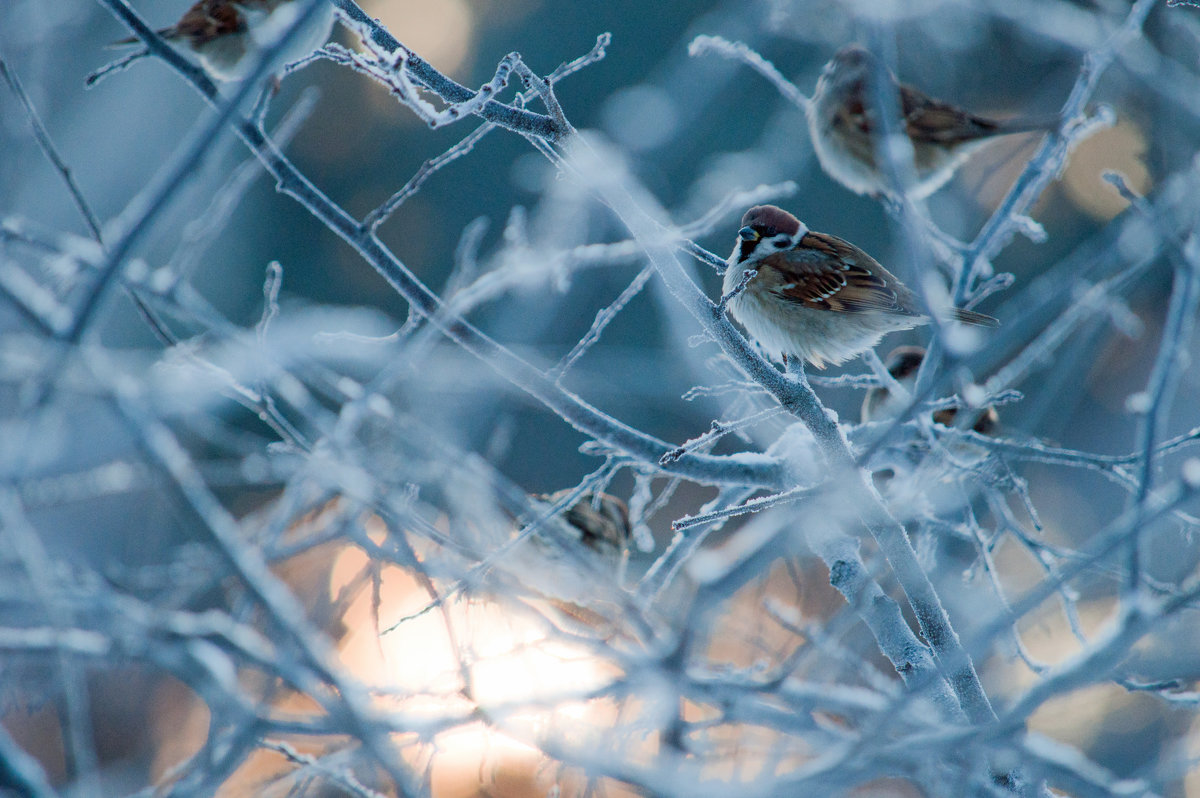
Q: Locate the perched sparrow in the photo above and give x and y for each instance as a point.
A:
(816, 296)
(578, 580)
(604, 529)
(902, 363)
(842, 124)
(227, 35)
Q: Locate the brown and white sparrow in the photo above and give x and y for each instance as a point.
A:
(601, 521)
(579, 580)
(815, 296)
(227, 35)
(902, 363)
(843, 125)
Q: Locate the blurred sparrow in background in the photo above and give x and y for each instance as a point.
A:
(842, 123)
(603, 528)
(816, 296)
(579, 581)
(228, 35)
(902, 363)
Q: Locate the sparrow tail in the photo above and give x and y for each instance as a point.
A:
(1029, 124)
(973, 317)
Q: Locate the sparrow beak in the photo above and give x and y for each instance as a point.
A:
(748, 233)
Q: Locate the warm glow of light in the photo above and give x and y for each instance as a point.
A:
(440, 31)
(1119, 149)
(509, 661)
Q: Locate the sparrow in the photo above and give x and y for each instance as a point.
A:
(914, 481)
(227, 35)
(601, 521)
(842, 125)
(579, 581)
(902, 363)
(816, 296)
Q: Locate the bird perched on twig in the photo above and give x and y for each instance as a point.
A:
(816, 296)
(227, 35)
(600, 520)
(902, 363)
(578, 580)
(844, 127)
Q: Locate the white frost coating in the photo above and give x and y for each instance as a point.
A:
(1136, 238)
(708, 566)
(161, 280)
(136, 270)
(962, 339)
(380, 406)
(1030, 228)
(217, 663)
(350, 388)
(798, 448)
(39, 300)
(711, 565)
(974, 394)
(1190, 472)
(1138, 403)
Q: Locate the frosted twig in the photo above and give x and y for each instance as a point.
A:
(165, 451)
(138, 216)
(47, 145)
(719, 430)
(736, 386)
(854, 381)
(545, 91)
(682, 546)
(343, 777)
(704, 256)
(597, 53)
(1045, 165)
(739, 51)
(381, 214)
(603, 318)
(732, 293)
(753, 506)
(25, 545)
(122, 63)
(911, 658)
(993, 575)
(418, 70)
(736, 200)
(1164, 378)
(406, 91)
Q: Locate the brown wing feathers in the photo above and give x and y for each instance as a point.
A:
(848, 287)
(209, 19)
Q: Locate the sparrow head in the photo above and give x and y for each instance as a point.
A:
(767, 229)
(846, 74)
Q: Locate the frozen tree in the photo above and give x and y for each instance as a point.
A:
(357, 534)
